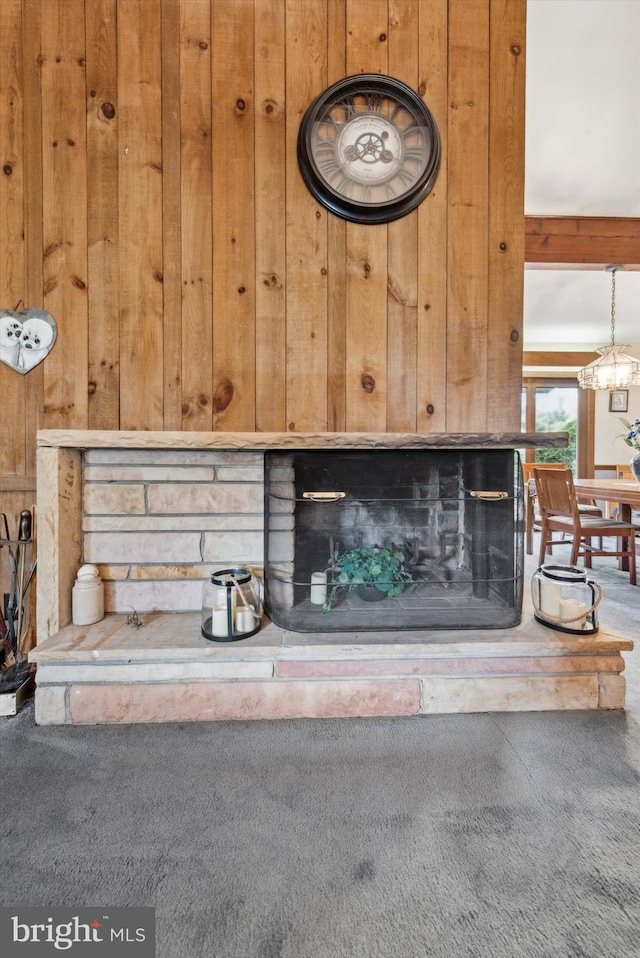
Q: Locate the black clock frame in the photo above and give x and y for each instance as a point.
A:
(359, 211)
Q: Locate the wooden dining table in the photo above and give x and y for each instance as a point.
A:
(626, 492)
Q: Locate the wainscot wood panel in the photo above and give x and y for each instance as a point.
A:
(103, 381)
(367, 254)
(197, 221)
(234, 203)
(506, 226)
(431, 353)
(271, 231)
(140, 214)
(337, 250)
(65, 191)
(172, 282)
(150, 198)
(402, 265)
(467, 263)
(12, 260)
(306, 228)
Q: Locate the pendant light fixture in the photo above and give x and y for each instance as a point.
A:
(614, 369)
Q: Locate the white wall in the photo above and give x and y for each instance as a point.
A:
(582, 159)
(608, 449)
(582, 118)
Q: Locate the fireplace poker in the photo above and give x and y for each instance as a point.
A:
(24, 536)
(32, 572)
(7, 657)
(28, 636)
(10, 599)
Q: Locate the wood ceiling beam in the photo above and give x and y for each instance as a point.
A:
(582, 242)
(580, 359)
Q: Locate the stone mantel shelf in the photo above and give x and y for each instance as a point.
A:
(108, 439)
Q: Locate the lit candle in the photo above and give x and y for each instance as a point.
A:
(219, 620)
(550, 596)
(573, 609)
(318, 588)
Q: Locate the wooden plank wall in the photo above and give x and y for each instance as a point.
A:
(150, 199)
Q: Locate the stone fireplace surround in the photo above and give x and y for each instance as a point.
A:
(157, 512)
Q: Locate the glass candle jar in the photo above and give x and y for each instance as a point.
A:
(231, 608)
(565, 599)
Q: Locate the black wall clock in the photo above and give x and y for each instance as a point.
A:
(369, 149)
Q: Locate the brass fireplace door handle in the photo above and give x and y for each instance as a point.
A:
(488, 495)
(324, 496)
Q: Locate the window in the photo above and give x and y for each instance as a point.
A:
(557, 404)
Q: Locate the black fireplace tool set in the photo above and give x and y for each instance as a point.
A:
(17, 628)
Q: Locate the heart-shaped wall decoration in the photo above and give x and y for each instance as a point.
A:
(26, 338)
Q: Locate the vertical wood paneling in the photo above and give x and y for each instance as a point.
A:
(12, 174)
(234, 215)
(432, 228)
(467, 216)
(64, 163)
(102, 226)
(368, 36)
(337, 250)
(33, 224)
(271, 251)
(171, 216)
(140, 194)
(402, 279)
(366, 267)
(506, 230)
(197, 216)
(12, 249)
(306, 74)
(154, 204)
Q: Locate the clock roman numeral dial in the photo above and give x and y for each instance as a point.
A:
(350, 107)
(374, 103)
(411, 130)
(324, 147)
(406, 176)
(415, 153)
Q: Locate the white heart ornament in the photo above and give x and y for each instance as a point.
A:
(26, 338)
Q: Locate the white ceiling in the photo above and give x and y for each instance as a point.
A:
(582, 158)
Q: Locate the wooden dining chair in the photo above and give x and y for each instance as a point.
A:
(559, 512)
(532, 513)
(623, 471)
(528, 467)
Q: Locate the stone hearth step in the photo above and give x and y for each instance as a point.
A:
(166, 672)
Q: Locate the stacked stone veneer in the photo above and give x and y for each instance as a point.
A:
(158, 522)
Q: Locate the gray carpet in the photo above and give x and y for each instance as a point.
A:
(510, 835)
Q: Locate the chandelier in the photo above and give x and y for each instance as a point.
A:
(614, 369)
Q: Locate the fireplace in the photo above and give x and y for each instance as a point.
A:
(441, 530)
(159, 511)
